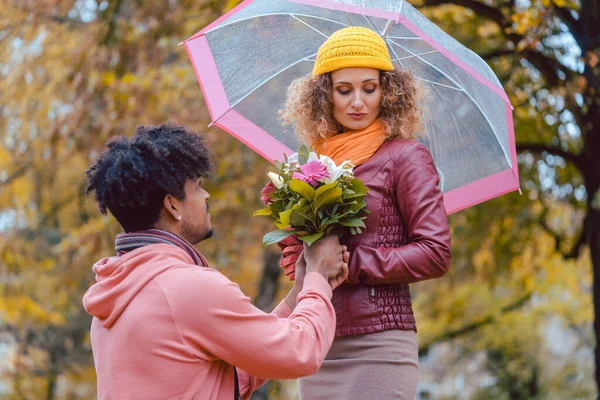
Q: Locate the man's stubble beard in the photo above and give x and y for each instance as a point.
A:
(194, 238)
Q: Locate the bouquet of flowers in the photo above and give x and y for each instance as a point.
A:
(311, 197)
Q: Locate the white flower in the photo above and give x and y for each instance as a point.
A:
(312, 156)
(276, 179)
(335, 171)
(293, 158)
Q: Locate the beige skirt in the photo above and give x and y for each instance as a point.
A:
(376, 366)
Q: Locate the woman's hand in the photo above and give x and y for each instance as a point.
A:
(291, 248)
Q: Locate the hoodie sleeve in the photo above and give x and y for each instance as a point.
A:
(217, 321)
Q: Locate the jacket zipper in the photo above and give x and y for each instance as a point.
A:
(372, 290)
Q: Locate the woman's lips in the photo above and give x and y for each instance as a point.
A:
(357, 116)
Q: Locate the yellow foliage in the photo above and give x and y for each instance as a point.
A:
(108, 78)
(19, 310)
(231, 4)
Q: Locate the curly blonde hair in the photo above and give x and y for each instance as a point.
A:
(309, 106)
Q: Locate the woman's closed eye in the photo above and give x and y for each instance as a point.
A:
(344, 91)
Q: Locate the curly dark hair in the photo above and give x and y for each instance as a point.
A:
(309, 106)
(133, 175)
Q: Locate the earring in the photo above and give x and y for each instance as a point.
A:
(179, 218)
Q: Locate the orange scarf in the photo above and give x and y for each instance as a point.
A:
(356, 146)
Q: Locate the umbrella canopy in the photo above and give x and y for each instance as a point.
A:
(246, 60)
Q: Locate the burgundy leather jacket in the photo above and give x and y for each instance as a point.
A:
(407, 240)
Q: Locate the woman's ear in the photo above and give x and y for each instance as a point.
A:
(171, 204)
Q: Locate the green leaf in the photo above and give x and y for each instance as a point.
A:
(263, 211)
(302, 215)
(359, 186)
(335, 208)
(303, 154)
(353, 222)
(285, 216)
(325, 188)
(303, 188)
(276, 236)
(357, 206)
(310, 239)
(330, 196)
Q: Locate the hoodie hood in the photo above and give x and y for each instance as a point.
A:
(119, 279)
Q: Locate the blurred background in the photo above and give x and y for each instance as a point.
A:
(514, 317)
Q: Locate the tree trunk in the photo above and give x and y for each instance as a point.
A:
(589, 30)
(594, 242)
(52, 375)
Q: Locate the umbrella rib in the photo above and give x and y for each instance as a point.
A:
(372, 24)
(311, 27)
(348, 18)
(272, 14)
(440, 84)
(468, 95)
(416, 55)
(388, 26)
(428, 63)
(405, 37)
(262, 83)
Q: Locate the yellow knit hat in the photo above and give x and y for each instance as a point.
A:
(352, 47)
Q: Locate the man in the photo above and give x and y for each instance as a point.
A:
(166, 325)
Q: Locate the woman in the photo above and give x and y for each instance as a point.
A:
(357, 107)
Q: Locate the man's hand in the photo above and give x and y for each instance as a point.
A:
(343, 274)
(300, 272)
(327, 257)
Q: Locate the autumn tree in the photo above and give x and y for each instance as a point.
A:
(75, 72)
(547, 54)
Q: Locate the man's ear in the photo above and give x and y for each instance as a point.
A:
(171, 206)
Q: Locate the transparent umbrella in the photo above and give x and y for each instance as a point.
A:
(246, 60)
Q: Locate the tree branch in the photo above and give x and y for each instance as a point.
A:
(556, 151)
(576, 250)
(481, 9)
(498, 53)
(16, 174)
(558, 239)
(549, 67)
(570, 21)
(113, 15)
(468, 328)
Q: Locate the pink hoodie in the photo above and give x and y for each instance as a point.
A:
(165, 328)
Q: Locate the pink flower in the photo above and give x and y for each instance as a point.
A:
(311, 173)
(266, 192)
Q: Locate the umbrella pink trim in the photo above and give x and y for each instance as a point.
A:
(449, 55)
(479, 191)
(395, 16)
(511, 141)
(491, 186)
(222, 18)
(249, 133)
(208, 76)
(351, 8)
